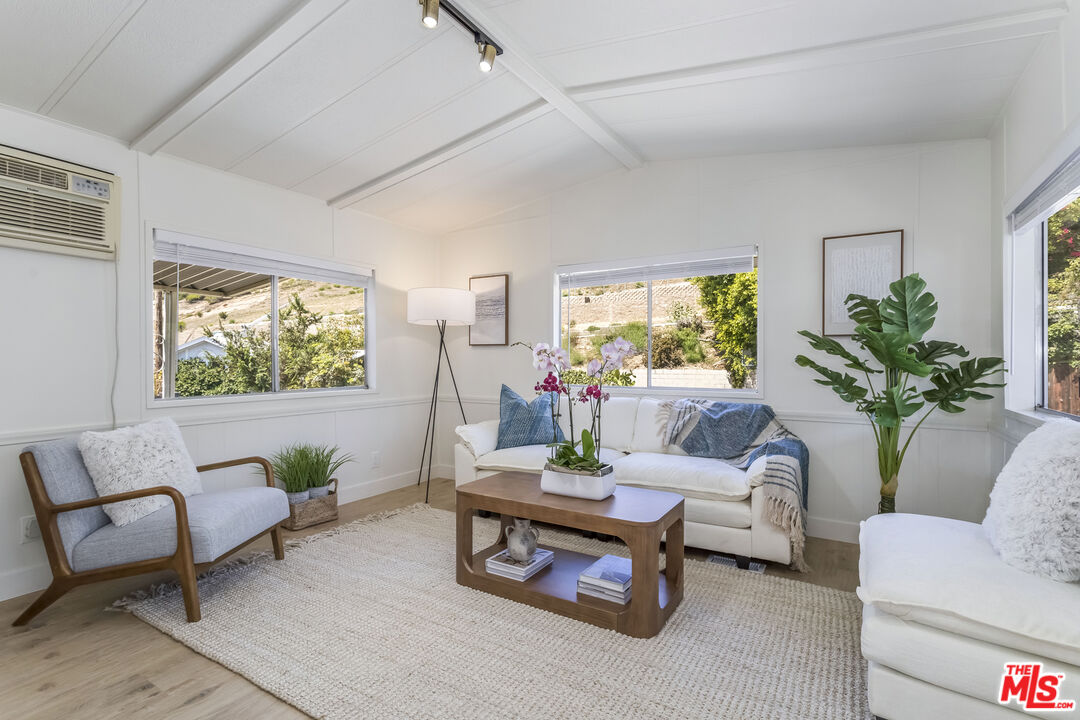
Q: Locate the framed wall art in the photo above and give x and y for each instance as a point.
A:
(492, 326)
(864, 264)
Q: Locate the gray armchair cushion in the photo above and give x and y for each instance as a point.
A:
(219, 522)
(66, 480)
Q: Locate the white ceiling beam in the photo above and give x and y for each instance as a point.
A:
(91, 56)
(447, 152)
(306, 17)
(882, 47)
(518, 61)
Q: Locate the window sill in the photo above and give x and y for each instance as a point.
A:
(681, 392)
(290, 395)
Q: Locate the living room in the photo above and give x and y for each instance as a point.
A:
(406, 242)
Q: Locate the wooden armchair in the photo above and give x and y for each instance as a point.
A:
(84, 546)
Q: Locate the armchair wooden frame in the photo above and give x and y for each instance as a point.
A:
(182, 561)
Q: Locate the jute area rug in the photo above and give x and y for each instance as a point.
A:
(367, 621)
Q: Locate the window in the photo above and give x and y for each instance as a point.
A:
(1061, 246)
(229, 322)
(692, 320)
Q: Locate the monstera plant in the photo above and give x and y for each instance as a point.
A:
(904, 373)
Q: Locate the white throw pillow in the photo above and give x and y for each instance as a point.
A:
(1034, 517)
(138, 457)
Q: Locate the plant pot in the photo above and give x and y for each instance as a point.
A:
(319, 491)
(590, 485)
(296, 498)
(314, 511)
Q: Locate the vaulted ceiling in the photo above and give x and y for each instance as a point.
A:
(356, 103)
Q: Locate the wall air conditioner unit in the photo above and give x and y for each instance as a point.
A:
(55, 206)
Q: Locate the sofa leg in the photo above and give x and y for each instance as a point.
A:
(484, 513)
(190, 586)
(48, 596)
(742, 562)
(279, 545)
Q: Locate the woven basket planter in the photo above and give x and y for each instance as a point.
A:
(313, 512)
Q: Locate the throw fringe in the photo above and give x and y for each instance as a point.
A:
(228, 567)
(788, 519)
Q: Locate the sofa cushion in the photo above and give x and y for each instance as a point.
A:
(1034, 516)
(944, 573)
(961, 664)
(617, 420)
(649, 427)
(732, 514)
(703, 478)
(525, 423)
(135, 458)
(66, 480)
(219, 522)
(480, 438)
(528, 458)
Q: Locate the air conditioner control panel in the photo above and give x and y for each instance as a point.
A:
(91, 187)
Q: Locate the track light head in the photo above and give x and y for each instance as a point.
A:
(430, 17)
(487, 56)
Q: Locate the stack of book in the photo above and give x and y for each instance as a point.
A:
(608, 579)
(503, 565)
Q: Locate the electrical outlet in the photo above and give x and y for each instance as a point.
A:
(376, 459)
(28, 529)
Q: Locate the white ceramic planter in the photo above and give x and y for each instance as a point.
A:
(319, 491)
(590, 486)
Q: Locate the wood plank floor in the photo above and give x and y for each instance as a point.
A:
(77, 660)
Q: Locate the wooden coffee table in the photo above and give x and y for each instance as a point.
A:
(638, 516)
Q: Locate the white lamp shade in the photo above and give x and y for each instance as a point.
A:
(428, 306)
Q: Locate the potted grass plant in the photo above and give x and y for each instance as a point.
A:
(324, 463)
(307, 472)
(291, 468)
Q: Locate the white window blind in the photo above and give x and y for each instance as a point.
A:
(728, 261)
(1060, 186)
(191, 250)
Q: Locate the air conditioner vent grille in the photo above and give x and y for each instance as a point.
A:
(32, 172)
(53, 217)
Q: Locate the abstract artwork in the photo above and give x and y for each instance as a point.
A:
(492, 315)
(863, 264)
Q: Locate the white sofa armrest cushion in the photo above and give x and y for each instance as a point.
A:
(944, 573)
(480, 438)
(755, 474)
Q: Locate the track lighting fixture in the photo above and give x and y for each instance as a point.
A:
(487, 47)
(487, 55)
(431, 13)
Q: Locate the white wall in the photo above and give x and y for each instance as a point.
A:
(938, 193)
(1038, 128)
(59, 330)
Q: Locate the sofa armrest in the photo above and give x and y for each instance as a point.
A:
(479, 438)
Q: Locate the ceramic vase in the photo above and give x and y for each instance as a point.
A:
(521, 540)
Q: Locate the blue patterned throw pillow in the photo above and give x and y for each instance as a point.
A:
(522, 423)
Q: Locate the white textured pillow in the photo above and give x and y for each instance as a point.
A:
(480, 438)
(1034, 517)
(138, 457)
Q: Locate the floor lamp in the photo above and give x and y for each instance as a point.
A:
(439, 307)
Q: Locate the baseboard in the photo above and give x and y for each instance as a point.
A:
(842, 530)
(21, 581)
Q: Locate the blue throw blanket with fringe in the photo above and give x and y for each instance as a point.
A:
(739, 434)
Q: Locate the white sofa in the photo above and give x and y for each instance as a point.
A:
(943, 614)
(724, 505)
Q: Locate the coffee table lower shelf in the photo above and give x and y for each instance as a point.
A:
(555, 588)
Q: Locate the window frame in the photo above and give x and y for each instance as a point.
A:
(1042, 313)
(314, 265)
(649, 389)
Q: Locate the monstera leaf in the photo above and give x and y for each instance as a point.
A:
(909, 309)
(834, 348)
(956, 385)
(894, 404)
(931, 352)
(844, 385)
(891, 350)
(864, 311)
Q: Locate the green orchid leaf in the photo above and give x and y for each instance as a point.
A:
(932, 352)
(844, 385)
(894, 404)
(909, 309)
(588, 445)
(834, 348)
(891, 350)
(959, 384)
(864, 311)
